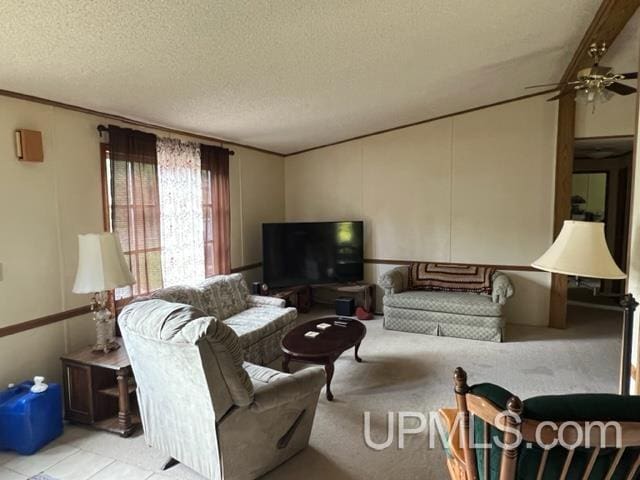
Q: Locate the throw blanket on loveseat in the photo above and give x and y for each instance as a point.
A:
(450, 278)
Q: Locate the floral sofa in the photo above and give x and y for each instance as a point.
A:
(260, 322)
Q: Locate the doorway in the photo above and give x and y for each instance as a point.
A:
(601, 186)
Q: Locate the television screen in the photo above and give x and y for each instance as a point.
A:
(312, 253)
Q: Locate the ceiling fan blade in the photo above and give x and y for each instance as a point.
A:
(562, 94)
(630, 75)
(621, 88)
(557, 85)
(545, 85)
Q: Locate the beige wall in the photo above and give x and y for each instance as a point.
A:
(474, 188)
(633, 267)
(43, 207)
(616, 117)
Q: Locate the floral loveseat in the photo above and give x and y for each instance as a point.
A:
(260, 322)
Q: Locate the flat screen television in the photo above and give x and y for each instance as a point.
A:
(312, 253)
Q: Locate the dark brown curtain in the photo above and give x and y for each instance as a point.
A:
(216, 209)
(135, 207)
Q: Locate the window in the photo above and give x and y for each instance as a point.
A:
(165, 235)
(132, 207)
(207, 216)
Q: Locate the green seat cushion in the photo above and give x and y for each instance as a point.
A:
(583, 406)
(494, 393)
(499, 396)
(573, 407)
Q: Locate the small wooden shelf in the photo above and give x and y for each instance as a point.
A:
(92, 384)
(113, 425)
(298, 296)
(114, 392)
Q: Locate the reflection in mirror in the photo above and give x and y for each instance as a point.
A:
(589, 196)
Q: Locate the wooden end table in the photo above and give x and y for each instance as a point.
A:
(325, 348)
(298, 296)
(99, 390)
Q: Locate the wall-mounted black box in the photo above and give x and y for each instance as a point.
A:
(345, 306)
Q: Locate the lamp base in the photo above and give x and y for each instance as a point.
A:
(628, 304)
(105, 348)
(105, 325)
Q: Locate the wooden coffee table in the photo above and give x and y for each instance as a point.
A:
(325, 348)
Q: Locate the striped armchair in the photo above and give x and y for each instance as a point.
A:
(202, 404)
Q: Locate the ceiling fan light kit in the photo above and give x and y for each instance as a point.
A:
(595, 84)
(593, 96)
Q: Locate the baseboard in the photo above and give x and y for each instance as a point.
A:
(595, 306)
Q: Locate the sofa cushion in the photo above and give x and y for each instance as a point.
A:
(447, 302)
(184, 294)
(256, 323)
(223, 295)
(260, 375)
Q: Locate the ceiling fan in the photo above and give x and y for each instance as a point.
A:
(596, 82)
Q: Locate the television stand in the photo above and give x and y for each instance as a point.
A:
(363, 293)
(298, 296)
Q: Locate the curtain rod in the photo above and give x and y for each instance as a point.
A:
(102, 128)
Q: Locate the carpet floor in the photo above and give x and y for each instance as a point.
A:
(414, 373)
(402, 372)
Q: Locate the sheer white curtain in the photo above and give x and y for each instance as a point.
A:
(181, 220)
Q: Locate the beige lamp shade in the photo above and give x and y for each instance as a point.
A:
(580, 250)
(101, 264)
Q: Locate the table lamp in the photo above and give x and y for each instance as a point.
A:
(581, 250)
(101, 268)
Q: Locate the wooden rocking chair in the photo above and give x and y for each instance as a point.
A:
(563, 437)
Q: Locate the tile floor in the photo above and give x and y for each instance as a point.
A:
(83, 454)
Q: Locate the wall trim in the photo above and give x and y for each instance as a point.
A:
(139, 123)
(76, 312)
(512, 268)
(244, 268)
(420, 122)
(43, 321)
(131, 121)
(606, 137)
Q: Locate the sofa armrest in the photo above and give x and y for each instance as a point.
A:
(394, 280)
(501, 288)
(262, 301)
(286, 388)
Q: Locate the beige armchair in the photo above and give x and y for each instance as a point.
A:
(202, 405)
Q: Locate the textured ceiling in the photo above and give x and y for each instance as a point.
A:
(622, 56)
(285, 75)
(602, 147)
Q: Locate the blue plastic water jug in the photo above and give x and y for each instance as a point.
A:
(28, 421)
